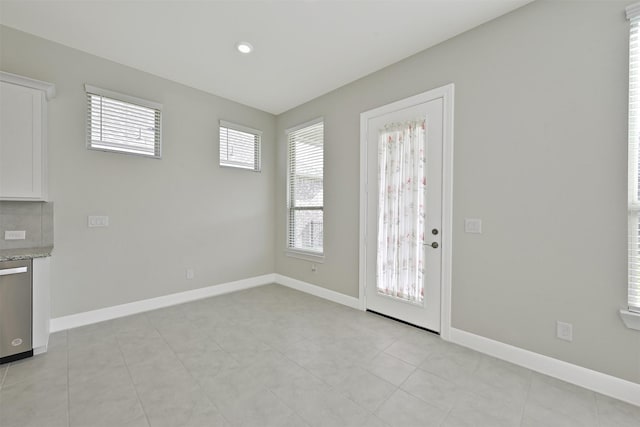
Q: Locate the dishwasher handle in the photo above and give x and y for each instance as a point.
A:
(17, 270)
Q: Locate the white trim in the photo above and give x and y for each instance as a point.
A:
(617, 388)
(596, 381)
(303, 125)
(48, 88)
(292, 251)
(318, 291)
(633, 11)
(98, 145)
(630, 319)
(307, 256)
(39, 350)
(241, 128)
(41, 294)
(114, 312)
(447, 94)
(364, 194)
(94, 316)
(257, 155)
(122, 97)
(447, 210)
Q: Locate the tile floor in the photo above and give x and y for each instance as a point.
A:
(271, 356)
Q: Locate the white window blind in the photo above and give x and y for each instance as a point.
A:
(305, 180)
(633, 14)
(239, 146)
(122, 123)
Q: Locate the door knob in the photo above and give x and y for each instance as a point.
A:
(434, 245)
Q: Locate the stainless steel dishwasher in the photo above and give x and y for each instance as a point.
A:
(15, 310)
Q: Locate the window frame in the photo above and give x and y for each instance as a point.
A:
(631, 316)
(300, 253)
(140, 102)
(241, 128)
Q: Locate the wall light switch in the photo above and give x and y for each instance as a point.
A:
(15, 235)
(190, 273)
(473, 225)
(98, 221)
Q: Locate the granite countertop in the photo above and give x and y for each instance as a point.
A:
(27, 253)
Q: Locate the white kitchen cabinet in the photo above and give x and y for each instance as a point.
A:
(23, 137)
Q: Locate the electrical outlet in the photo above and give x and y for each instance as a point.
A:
(15, 235)
(97, 221)
(473, 225)
(564, 331)
(314, 268)
(190, 273)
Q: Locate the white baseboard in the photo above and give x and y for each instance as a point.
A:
(318, 291)
(617, 388)
(593, 380)
(108, 313)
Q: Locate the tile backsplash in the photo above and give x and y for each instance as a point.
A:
(36, 218)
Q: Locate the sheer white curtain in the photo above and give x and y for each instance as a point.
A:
(401, 210)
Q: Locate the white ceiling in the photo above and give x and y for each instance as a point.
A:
(303, 49)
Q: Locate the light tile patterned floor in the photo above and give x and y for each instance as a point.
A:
(271, 356)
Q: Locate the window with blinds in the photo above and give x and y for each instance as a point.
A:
(239, 146)
(122, 123)
(633, 14)
(305, 181)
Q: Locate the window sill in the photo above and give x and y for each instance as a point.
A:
(630, 319)
(307, 256)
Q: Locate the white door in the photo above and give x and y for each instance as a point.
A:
(404, 165)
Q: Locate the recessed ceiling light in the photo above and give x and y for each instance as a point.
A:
(244, 47)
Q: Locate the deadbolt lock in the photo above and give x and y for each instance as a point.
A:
(434, 231)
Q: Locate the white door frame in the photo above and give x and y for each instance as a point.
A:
(446, 93)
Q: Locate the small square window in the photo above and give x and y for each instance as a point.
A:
(239, 146)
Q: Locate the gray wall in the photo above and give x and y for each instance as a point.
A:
(165, 215)
(540, 156)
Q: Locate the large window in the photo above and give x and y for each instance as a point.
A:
(633, 13)
(122, 123)
(305, 180)
(239, 146)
